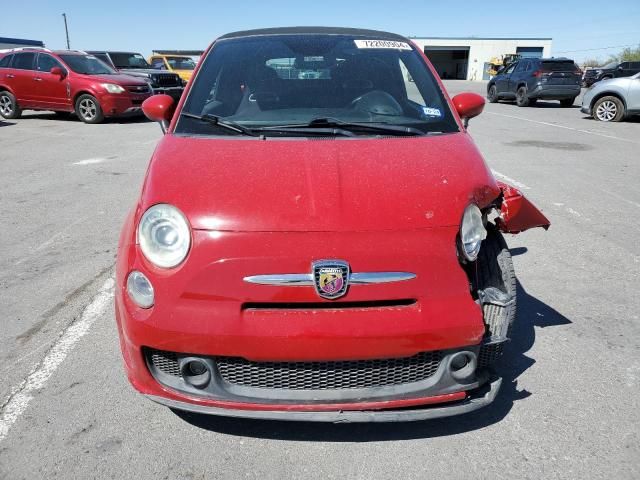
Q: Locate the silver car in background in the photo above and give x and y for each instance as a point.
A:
(614, 99)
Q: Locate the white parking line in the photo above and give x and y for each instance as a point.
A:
(510, 180)
(550, 124)
(90, 161)
(20, 396)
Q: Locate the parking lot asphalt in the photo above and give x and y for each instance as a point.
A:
(569, 405)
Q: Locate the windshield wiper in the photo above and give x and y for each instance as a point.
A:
(328, 122)
(219, 122)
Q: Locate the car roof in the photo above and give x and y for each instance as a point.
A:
(377, 34)
(113, 51)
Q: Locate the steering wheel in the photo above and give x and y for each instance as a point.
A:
(377, 102)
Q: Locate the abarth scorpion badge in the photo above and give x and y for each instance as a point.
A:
(330, 278)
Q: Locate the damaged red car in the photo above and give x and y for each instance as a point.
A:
(318, 238)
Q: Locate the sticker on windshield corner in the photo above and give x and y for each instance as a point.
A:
(432, 112)
(382, 44)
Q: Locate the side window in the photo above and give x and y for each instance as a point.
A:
(510, 69)
(24, 61)
(520, 67)
(624, 65)
(104, 57)
(157, 63)
(46, 63)
(635, 65)
(5, 61)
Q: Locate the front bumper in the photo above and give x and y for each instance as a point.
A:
(481, 398)
(122, 104)
(174, 92)
(206, 309)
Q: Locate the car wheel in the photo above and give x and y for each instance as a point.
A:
(608, 109)
(8, 107)
(567, 102)
(88, 109)
(492, 94)
(533, 101)
(522, 100)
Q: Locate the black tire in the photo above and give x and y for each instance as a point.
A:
(522, 99)
(88, 109)
(567, 102)
(608, 109)
(492, 94)
(494, 264)
(9, 108)
(494, 268)
(532, 102)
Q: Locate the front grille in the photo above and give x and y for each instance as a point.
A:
(329, 375)
(166, 80)
(138, 89)
(166, 362)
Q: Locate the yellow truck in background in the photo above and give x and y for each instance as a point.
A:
(181, 64)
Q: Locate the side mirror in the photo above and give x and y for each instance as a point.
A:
(468, 105)
(57, 71)
(620, 68)
(159, 108)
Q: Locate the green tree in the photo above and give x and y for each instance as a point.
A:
(630, 54)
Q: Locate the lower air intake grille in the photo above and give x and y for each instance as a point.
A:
(166, 362)
(329, 375)
(489, 354)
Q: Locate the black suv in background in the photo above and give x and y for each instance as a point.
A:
(131, 63)
(532, 79)
(610, 70)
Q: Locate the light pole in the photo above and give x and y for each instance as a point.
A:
(66, 30)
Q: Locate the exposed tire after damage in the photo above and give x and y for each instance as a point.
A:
(88, 109)
(9, 108)
(608, 109)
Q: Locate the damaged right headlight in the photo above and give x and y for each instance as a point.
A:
(472, 232)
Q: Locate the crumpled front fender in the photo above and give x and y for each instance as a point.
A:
(518, 214)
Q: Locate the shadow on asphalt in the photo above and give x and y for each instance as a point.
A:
(531, 313)
(6, 124)
(72, 118)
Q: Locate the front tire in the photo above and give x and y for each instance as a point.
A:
(9, 108)
(88, 109)
(492, 94)
(608, 109)
(522, 99)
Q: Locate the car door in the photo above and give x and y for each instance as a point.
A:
(502, 79)
(6, 73)
(622, 70)
(53, 90)
(633, 94)
(22, 69)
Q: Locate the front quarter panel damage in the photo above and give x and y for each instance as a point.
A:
(518, 214)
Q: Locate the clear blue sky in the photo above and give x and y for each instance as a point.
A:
(143, 25)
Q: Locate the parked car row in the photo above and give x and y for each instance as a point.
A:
(610, 70)
(93, 85)
(615, 96)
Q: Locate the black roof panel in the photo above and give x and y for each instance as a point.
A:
(376, 34)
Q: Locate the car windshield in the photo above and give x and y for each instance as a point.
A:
(87, 64)
(181, 63)
(296, 80)
(129, 60)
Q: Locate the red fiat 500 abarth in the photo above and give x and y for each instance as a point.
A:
(317, 237)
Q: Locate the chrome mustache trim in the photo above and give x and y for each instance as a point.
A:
(306, 279)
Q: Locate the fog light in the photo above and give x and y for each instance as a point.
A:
(195, 372)
(462, 366)
(140, 289)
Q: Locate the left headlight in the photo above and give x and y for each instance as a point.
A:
(472, 232)
(113, 88)
(164, 235)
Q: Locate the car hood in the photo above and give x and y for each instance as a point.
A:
(246, 184)
(120, 79)
(143, 72)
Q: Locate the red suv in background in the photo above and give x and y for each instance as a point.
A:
(66, 81)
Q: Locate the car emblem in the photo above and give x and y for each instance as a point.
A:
(331, 278)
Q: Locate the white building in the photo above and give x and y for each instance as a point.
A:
(467, 58)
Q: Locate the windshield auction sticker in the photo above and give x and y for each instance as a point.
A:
(382, 44)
